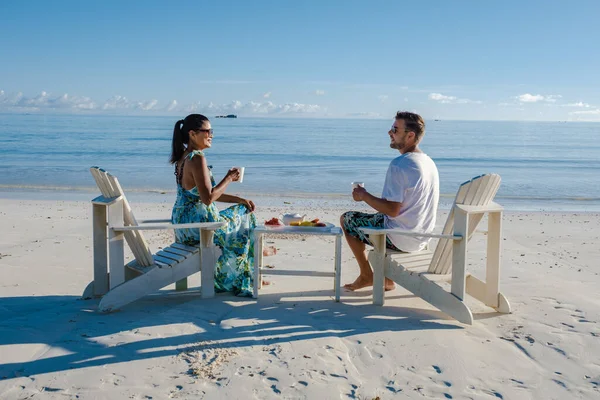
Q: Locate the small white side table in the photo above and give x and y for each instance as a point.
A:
(261, 230)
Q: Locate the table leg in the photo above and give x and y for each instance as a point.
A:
(258, 250)
(338, 267)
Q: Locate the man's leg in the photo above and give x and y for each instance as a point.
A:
(365, 277)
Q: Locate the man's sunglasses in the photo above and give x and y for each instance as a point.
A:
(395, 129)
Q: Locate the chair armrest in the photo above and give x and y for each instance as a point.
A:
(397, 231)
(154, 221)
(106, 201)
(211, 226)
(492, 207)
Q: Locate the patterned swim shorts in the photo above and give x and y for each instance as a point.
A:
(352, 220)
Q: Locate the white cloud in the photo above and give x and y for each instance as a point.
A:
(45, 101)
(535, 98)
(367, 114)
(319, 92)
(441, 98)
(587, 112)
(121, 104)
(383, 98)
(253, 108)
(578, 104)
(451, 99)
(116, 103)
(172, 106)
(267, 95)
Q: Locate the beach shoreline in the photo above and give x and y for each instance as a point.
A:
(301, 199)
(295, 341)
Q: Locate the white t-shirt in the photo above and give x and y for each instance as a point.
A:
(412, 179)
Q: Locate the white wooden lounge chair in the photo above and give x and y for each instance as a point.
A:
(120, 284)
(420, 272)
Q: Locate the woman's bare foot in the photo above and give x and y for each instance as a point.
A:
(266, 283)
(269, 251)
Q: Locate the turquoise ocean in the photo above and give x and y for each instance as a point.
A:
(544, 165)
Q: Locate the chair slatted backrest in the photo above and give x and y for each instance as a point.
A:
(109, 187)
(479, 191)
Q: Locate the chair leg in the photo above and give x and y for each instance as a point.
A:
(459, 254)
(100, 283)
(258, 244)
(209, 254)
(378, 266)
(116, 241)
(338, 267)
(492, 270)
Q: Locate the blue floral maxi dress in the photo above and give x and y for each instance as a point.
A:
(233, 272)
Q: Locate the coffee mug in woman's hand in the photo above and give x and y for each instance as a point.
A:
(234, 173)
(241, 171)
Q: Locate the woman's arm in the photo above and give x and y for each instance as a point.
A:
(228, 198)
(209, 194)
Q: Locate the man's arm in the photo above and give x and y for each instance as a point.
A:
(389, 208)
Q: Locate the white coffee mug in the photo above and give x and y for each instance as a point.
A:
(241, 170)
(358, 184)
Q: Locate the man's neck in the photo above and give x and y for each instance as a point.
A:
(411, 149)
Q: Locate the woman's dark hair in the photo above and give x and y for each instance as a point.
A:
(181, 134)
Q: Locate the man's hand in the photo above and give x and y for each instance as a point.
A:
(359, 193)
(249, 204)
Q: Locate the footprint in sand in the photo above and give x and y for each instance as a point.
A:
(275, 390)
(393, 387)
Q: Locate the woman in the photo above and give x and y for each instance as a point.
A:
(196, 196)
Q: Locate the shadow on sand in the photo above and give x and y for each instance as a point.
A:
(68, 333)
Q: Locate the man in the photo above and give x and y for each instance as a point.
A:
(409, 199)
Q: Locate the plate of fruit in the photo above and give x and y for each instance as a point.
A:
(312, 224)
(274, 223)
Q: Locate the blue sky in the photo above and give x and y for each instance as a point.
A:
(509, 60)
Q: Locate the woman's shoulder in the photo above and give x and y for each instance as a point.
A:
(194, 153)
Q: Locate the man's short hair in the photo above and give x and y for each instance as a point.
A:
(413, 123)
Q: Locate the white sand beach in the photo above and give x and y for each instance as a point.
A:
(295, 342)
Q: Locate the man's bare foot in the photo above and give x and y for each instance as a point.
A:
(389, 285)
(266, 283)
(269, 251)
(362, 282)
(359, 283)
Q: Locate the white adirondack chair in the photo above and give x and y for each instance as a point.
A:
(120, 284)
(420, 272)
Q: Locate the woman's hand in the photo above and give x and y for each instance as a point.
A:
(249, 204)
(233, 174)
